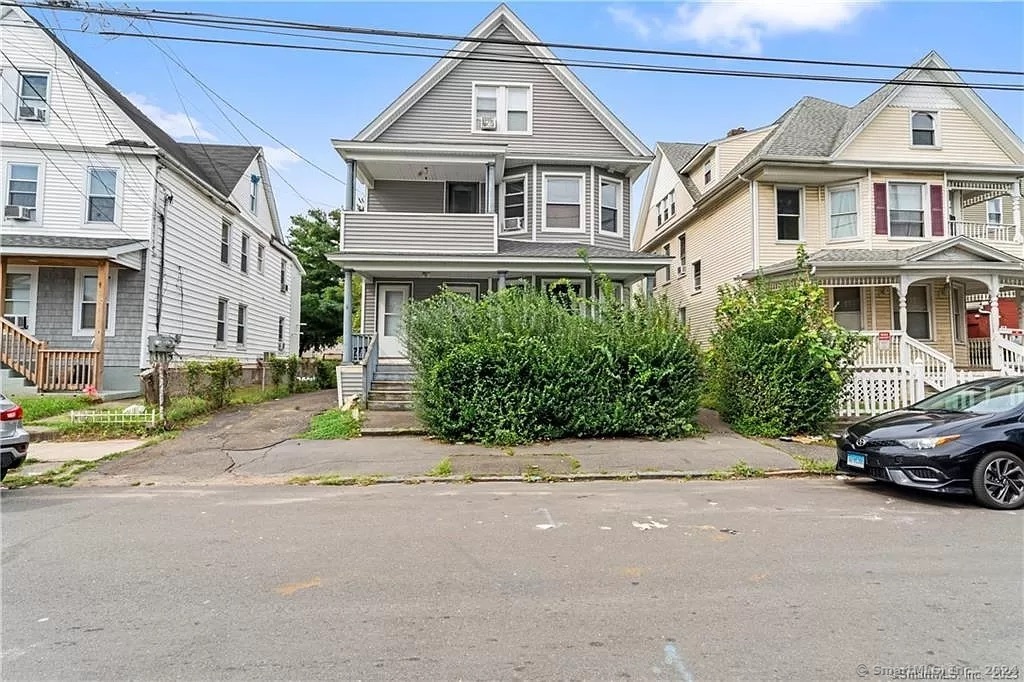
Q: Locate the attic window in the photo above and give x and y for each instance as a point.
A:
(254, 197)
(708, 173)
(33, 93)
(502, 108)
(922, 129)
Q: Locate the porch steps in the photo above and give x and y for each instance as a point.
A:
(392, 387)
(12, 383)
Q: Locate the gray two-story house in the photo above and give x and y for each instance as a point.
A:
(496, 168)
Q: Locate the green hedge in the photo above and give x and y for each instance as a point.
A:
(518, 366)
(779, 361)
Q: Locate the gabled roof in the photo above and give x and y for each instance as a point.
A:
(503, 16)
(680, 153)
(222, 164)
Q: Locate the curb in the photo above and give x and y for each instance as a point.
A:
(563, 478)
(38, 434)
(392, 431)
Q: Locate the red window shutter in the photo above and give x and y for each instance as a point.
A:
(881, 209)
(938, 224)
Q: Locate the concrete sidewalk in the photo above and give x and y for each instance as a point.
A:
(52, 454)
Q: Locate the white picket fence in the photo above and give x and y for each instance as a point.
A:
(874, 391)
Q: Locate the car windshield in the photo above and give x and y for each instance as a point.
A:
(988, 397)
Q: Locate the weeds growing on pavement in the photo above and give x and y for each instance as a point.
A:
(333, 424)
(441, 469)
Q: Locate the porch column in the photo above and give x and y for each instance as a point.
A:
(99, 338)
(502, 274)
(489, 189)
(3, 283)
(1015, 202)
(993, 322)
(346, 324)
(901, 294)
(350, 190)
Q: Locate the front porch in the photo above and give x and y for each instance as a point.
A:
(70, 322)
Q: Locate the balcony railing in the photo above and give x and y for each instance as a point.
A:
(427, 233)
(990, 232)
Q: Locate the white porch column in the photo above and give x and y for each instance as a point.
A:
(346, 324)
(502, 274)
(489, 189)
(350, 191)
(993, 322)
(901, 294)
(1015, 202)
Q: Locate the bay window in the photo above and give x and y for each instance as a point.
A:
(563, 203)
(842, 209)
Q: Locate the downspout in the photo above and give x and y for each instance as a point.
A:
(168, 198)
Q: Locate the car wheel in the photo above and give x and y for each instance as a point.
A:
(999, 481)
(3, 474)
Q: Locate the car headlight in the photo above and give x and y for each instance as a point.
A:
(926, 443)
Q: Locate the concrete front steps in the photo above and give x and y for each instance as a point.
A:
(12, 383)
(391, 389)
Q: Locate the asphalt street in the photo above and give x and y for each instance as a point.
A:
(745, 580)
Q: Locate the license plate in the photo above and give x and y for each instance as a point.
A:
(855, 460)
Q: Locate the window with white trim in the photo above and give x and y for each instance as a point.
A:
(682, 254)
(671, 202)
(222, 319)
(240, 325)
(847, 309)
(86, 298)
(280, 334)
(611, 206)
(260, 257)
(502, 108)
(33, 95)
(102, 202)
(842, 212)
(697, 272)
(787, 212)
(922, 128)
(19, 293)
(254, 195)
(23, 189)
(906, 209)
(244, 264)
(708, 172)
(919, 312)
(225, 242)
(668, 268)
(514, 202)
(994, 211)
(563, 203)
(660, 211)
(957, 305)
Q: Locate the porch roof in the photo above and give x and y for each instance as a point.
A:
(43, 247)
(957, 253)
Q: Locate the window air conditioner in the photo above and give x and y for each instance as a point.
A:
(27, 113)
(19, 321)
(487, 123)
(512, 224)
(20, 212)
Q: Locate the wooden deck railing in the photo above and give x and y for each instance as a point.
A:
(49, 369)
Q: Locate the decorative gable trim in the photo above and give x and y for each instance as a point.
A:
(964, 245)
(1001, 134)
(502, 15)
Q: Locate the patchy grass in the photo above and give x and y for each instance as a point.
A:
(71, 431)
(332, 425)
(815, 466)
(574, 464)
(43, 406)
(443, 468)
(738, 470)
(253, 395)
(333, 479)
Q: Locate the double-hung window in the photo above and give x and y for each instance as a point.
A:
(284, 276)
(697, 273)
(708, 172)
(240, 328)
(502, 108)
(994, 211)
(222, 319)
(919, 315)
(225, 242)
(611, 206)
(515, 204)
(682, 255)
(33, 94)
(260, 257)
(22, 190)
(842, 209)
(19, 294)
(244, 265)
(922, 129)
(788, 219)
(672, 202)
(102, 203)
(86, 299)
(280, 334)
(906, 209)
(563, 203)
(847, 307)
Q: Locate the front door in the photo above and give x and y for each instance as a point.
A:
(463, 197)
(391, 300)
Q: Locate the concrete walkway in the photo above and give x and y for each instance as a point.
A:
(51, 455)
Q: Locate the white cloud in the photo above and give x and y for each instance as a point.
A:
(177, 124)
(280, 157)
(741, 25)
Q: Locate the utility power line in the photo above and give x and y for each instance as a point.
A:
(224, 20)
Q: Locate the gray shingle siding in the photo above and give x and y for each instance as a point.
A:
(561, 124)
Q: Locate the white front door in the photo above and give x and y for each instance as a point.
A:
(391, 300)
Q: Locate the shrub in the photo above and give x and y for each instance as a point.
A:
(779, 361)
(195, 377)
(519, 366)
(222, 374)
(326, 374)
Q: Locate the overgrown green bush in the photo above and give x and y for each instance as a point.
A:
(223, 376)
(779, 361)
(326, 374)
(519, 366)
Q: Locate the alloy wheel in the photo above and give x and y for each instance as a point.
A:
(1004, 480)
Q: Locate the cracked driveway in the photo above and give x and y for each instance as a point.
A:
(231, 438)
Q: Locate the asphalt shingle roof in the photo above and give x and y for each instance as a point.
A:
(512, 247)
(8, 241)
(680, 153)
(222, 164)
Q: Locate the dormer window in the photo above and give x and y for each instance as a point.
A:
(254, 197)
(502, 108)
(922, 129)
(708, 172)
(33, 94)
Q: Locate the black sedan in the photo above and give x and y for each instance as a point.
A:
(968, 439)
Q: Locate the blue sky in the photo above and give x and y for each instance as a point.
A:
(306, 98)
